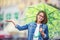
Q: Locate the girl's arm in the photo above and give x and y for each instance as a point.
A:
(45, 33)
(24, 27)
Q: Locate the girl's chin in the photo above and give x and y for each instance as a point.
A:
(40, 21)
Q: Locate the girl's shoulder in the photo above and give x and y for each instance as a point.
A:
(32, 23)
(45, 25)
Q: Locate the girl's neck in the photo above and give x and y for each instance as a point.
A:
(38, 22)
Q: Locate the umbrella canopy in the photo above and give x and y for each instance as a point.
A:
(53, 17)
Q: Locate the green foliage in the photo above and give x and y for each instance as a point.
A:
(1, 17)
(16, 14)
(8, 16)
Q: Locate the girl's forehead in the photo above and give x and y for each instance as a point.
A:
(41, 13)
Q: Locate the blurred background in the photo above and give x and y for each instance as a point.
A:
(15, 10)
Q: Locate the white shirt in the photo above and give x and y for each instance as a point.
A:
(36, 33)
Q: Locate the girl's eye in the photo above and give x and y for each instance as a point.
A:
(41, 16)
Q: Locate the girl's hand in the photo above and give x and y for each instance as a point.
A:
(11, 21)
(41, 31)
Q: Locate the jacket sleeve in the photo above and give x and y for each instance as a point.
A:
(46, 33)
(24, 27)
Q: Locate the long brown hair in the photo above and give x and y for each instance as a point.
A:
(45, 17)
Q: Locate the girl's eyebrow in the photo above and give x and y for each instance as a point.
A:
(41, 15)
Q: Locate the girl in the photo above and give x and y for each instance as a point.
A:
(37, 30)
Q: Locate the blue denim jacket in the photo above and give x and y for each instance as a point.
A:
(31, 29)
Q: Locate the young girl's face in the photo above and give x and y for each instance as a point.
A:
(40, 17)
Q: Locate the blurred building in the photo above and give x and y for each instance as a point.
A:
(14, 9)
(8, 3)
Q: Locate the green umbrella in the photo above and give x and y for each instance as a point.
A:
(52, 13)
